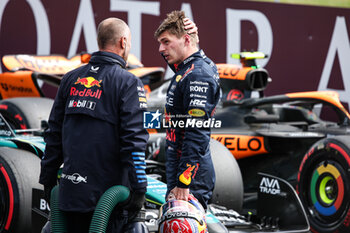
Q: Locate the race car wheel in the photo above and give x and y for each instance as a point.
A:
(324, 185)
(19, 173)
(228, 189)
(26, 112)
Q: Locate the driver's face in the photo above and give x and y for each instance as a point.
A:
(172, 47)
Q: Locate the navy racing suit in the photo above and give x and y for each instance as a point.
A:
(192, 96)
(96, 131)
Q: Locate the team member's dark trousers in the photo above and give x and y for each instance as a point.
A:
(119, 222)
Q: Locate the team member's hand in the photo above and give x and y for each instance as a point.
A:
(191, 27)
(181, 193)
(135, 202)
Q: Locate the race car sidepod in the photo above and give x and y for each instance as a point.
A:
(279, 206)
(278, 209)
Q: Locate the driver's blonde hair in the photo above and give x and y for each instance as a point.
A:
(174, 25)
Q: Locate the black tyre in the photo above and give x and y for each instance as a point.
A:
(324, 185)
(19, 174)
(26, 112)
(228, 189)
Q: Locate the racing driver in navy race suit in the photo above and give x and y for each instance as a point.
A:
(96, 131)
(193, 94)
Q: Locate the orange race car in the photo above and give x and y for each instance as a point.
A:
(28, 88)
(301, 137)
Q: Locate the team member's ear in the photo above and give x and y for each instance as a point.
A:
(122, 42)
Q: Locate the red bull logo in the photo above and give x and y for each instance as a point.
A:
(86, 92)
(88, 82)
(186, 176)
